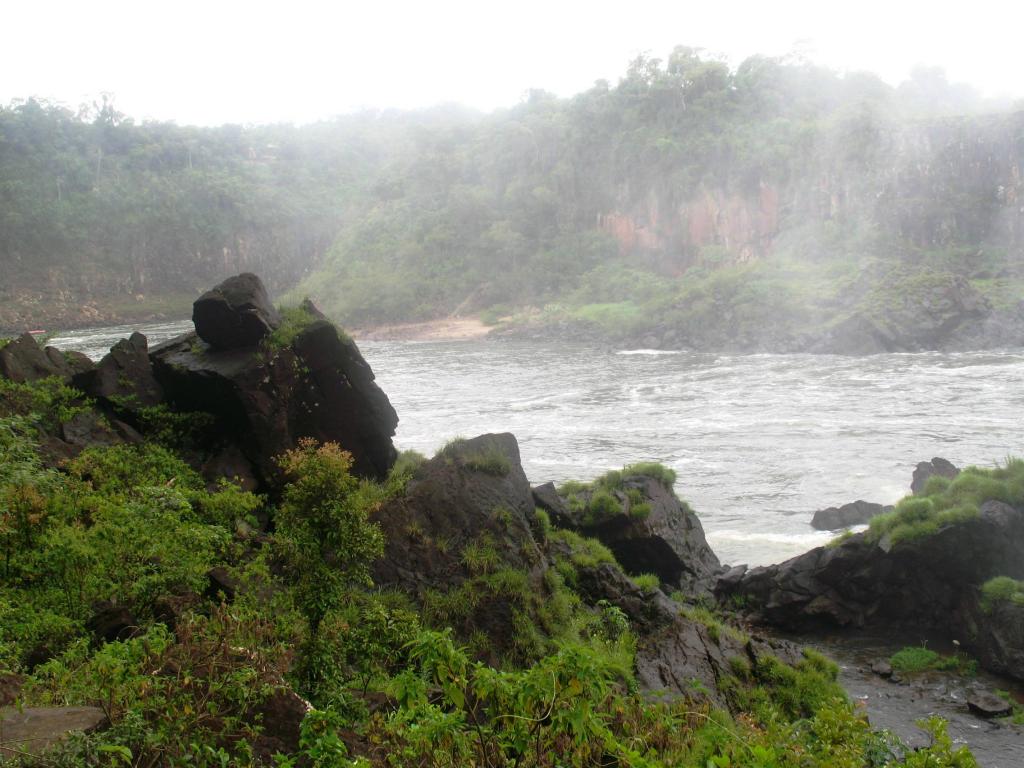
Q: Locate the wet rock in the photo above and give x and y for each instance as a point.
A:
(124, 373)
(646, 611)
(987, 704)
(319, 386)
(855, 513)
(236, 313)
(546, 497)
(994, 634)
(658, 535)
(111, 622)
(882, 668)
(926, 469)
(917, 583)
(33, 730)
(23, 360)
(474, 493)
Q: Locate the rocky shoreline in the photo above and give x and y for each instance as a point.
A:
(252, 383)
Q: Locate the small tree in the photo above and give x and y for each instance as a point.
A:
(323, 527)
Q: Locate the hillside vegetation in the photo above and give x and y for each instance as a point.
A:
(774, 205)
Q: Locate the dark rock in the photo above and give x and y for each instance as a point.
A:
(33, 730)
(10, 688)
(647, 612)
(667, 540)
(319, 387)
(125, 372)
(280, 716)
(170, 609)
(882, 668)
(230, 463)
(917, 583)
(235, 314)
(926, 469)
(546, 497)
(450, 504)
(987, 704)
(222, 585)
(70, 363)
(87, 428)
(994, 634)
(23, 360)
(855, 513)
(111, 622)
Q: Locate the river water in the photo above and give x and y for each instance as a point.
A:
(758, 441)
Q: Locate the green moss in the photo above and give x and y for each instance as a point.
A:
(916, 659)
(294, 320)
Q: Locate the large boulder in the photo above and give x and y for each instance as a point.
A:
(265, 400)
(236, 313)
(30, 731)
(927, 469)
(124, 374)
(855, 513)
(649, 530)
(914, 584)
(23, 360)
(994, 634)
(466, 513)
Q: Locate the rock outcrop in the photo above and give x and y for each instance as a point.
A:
(23, 360)
(650, 531)
(236, 313)
(855, 513)
(466, 513)
(926, 469)
(994, 634)
(32, 730)
(917, 583)
(124, 375)
(265, 398)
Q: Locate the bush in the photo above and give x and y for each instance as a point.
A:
(1001, 589)
(648, 582)
(323, 527)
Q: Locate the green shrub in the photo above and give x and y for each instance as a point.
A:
(664, 475)
(915, 659)
(1001, 589)
(601, 506)
(648, 582)
(323, 528)
(294, 320)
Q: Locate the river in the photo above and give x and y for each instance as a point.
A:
(758, 441)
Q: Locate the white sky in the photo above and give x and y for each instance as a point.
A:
(225, 61)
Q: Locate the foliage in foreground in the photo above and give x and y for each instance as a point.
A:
(192, 683)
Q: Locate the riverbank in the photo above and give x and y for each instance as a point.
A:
(442, 329)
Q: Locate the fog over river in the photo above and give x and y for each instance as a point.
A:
(759, 441)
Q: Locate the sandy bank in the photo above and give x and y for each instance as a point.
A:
(445, 329)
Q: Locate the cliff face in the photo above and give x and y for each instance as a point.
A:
(931, 184)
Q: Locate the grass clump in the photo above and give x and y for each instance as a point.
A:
(294, 320)
(917, 659)
(1001, 589)
(648, 582)
(490, 461)
(947, 502)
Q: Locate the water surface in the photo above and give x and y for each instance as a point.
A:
(758, 441)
